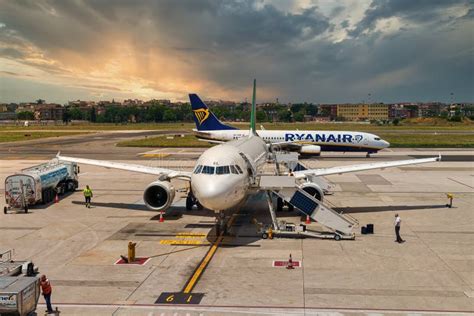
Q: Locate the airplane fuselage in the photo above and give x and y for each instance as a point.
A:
(327, 140)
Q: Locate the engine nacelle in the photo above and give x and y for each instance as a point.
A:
(313, 189)
(159, 195)
(310, 149)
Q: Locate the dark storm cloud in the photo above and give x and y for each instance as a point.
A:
(411, 10)
(227, 43)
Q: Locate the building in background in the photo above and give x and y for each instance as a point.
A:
(361, 112)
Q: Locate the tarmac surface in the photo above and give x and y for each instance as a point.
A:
(77, 248)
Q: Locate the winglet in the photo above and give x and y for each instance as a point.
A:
(253, 110)
(58, 155)
(439, 157)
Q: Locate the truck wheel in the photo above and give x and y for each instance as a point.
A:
(5, 210)
(70, 186)
(264, 235)
(337, 237)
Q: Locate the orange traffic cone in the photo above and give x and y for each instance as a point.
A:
(162, 219)
(308, 220)
(290, 263)
(56, 198)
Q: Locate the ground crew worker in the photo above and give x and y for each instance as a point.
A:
(398, 223)
(88, 195)
(47, 290)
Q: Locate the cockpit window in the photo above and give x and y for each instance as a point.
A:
(208, 170)
(377, 138)
(198, 169)
(233, 169)
(238, 169)
(222, 170)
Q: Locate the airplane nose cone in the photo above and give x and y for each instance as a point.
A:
(214, 194)
(385, 144)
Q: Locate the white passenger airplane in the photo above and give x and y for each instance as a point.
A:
(209, 128)
(227, 174)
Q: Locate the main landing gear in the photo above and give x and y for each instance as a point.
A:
(191, 201)
(281, 204)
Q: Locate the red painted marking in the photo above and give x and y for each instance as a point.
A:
(284, 264)
(138, 261)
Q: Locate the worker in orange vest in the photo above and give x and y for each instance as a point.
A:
(46, 289)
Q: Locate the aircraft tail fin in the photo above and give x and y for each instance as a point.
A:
(203, 117)
(253, 110)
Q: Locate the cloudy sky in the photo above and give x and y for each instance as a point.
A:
(315, 51)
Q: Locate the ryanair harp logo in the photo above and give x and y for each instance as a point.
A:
(201, 115)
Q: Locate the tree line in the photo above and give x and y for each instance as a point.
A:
(161, 113)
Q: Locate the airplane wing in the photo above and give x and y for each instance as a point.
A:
(362, 167)
(162, 172)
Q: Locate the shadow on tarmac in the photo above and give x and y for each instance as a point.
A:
(369, 209)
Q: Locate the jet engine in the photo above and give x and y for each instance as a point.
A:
(310, 150)
(313, 189)
(159, 195)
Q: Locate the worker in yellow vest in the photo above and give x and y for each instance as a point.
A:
(88, 195)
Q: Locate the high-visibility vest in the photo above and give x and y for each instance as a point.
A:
(46, 287)
(87, 192)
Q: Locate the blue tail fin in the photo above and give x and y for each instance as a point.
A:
(203, 117)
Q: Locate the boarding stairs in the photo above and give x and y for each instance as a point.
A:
(286, 188)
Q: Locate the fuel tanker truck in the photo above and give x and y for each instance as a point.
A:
(40, 184)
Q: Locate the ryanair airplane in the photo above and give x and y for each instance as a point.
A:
(209, 128)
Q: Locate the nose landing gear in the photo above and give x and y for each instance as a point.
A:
(220, 225)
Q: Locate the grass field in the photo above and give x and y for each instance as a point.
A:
(162, 141)
(407, 125)
(102, 127)
(10, 136)
(430, 140)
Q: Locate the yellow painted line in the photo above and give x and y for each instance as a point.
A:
(206, 260)
(191, 234)
(190, 237)
(202, 266)
(181, 242)
(155, 155)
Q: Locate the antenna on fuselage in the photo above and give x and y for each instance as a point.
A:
(253, 110)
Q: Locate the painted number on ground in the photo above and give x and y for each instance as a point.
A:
(179, 298)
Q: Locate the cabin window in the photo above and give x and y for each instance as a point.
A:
(222, 170)
(208, 170)
(198, 169)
